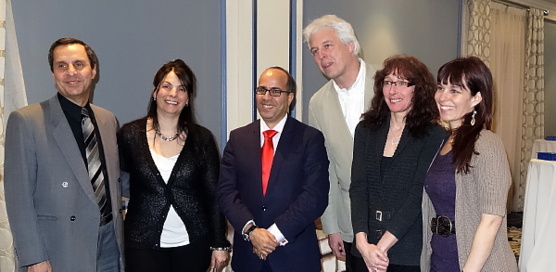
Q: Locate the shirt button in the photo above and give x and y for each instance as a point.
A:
(72, 218)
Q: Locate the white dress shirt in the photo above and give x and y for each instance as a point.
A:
(352, 99)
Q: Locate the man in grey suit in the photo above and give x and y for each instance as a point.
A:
(65, 211)
(335, 110)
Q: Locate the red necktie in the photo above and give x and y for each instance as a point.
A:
(267, 155)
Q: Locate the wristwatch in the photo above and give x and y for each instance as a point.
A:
(248, 232)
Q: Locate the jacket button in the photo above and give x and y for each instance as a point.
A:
(264, 208)
(72, 218)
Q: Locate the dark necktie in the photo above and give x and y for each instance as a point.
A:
(93, 162)
(267, 155)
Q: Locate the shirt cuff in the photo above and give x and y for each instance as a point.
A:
(245, 226)
(278, 235)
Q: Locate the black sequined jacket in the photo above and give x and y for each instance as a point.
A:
(190, 189)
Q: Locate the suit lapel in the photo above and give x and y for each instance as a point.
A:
(253, 151)
(63, 136)
(333, 113)
(381, 134)
(369, 86)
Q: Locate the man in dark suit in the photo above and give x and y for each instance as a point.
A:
(274, 219)
(63, 194)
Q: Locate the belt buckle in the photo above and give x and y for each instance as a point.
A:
(378, 215)
(105, 219)
(442, 230)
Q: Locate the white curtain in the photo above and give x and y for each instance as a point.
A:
(509, 40)
(507, 63)
(12, 96)
(533, 102)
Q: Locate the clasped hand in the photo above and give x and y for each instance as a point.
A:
(263, 242)
(375, 258)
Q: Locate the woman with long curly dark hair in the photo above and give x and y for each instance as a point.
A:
(393, 147)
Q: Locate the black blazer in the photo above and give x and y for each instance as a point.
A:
(398, 194)
(296, 196)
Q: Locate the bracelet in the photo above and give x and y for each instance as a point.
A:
(228, 249)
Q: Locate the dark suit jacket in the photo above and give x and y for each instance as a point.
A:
(297, 194)
(51, 206)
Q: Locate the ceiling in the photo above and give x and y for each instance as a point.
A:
(549, 5)
(542, 4)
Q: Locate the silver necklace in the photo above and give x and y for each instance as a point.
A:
(167, 139)
(396, 139)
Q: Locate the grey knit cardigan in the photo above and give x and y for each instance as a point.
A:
(484, 190)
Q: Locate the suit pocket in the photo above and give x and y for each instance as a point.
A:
(47, 217)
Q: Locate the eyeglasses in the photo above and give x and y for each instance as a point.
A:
(274, 92)
(399, 83)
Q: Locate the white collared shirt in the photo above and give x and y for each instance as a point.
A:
(279, 128)
(352, 99)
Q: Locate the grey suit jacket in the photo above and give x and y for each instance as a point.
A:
(325, 114)
(50, 202)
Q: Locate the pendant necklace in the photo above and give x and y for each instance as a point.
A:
(396, 139)
(167, 139)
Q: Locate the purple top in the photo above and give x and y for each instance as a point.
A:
(440, 186)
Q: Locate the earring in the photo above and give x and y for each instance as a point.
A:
(473, 118)
(154, 98)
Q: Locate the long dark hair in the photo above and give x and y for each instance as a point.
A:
(473, 74)
(423, 111)
(188, 80)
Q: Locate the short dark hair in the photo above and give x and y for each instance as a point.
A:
(290, 83)
(67, 41)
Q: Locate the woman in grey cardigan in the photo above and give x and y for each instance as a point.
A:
(393, 148)
(466, 188)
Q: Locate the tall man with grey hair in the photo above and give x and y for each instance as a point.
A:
(335, 110)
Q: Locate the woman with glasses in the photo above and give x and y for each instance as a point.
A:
(173, 222)
(466, 188)
(393, 147)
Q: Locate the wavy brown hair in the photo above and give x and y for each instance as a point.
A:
(472, 74)
(423, 111)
